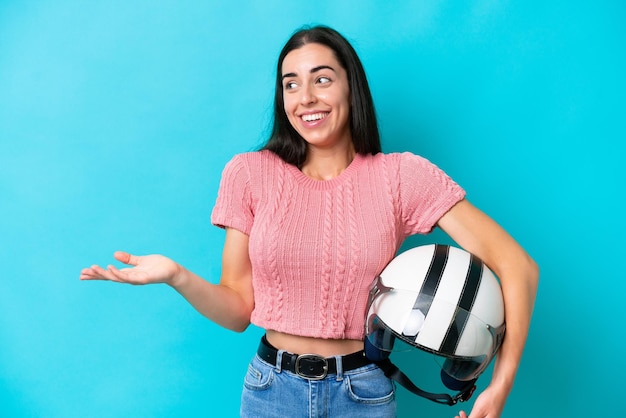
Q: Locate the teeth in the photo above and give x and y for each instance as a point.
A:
(315, 116)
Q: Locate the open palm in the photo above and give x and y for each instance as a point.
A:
(146, 269)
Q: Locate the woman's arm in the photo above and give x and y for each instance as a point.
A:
(229, 303)
(518, 274)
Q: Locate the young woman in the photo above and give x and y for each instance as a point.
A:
(311, 220)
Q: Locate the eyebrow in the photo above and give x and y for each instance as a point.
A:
(313, 70)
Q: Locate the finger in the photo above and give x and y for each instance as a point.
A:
(126, 258)
(87, 274)
(103, 274)
(92, 274)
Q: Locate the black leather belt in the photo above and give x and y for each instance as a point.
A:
(311, 366)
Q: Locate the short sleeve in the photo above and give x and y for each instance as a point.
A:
(426, 193)
(233, 207)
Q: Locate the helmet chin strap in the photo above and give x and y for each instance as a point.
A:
(381, 359)
(392, 372)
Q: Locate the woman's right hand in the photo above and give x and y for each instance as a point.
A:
(146, 269)
(229, 303)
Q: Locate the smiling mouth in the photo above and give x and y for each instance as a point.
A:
(314, 116)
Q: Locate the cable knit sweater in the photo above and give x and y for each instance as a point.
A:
(316, 246)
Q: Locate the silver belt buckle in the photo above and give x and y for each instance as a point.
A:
(312, 374)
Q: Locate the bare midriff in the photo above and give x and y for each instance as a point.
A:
(308, 345)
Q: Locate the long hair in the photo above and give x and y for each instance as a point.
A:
(284, 140)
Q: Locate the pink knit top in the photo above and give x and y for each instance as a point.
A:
(316, 246)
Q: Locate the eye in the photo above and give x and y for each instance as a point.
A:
(289, 85)
(323, 80)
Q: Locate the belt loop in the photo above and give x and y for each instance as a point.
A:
(339, 368)
(279, 360)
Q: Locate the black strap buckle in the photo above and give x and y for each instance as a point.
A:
(467, 393)
(311, 366)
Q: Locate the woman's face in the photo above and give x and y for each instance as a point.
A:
(317, 96)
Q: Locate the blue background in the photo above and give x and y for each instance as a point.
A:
(117, 117)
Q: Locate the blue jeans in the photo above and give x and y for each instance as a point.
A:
(270, 392)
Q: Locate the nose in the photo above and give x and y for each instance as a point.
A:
(307, 95)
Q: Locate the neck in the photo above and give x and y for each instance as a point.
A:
(327, 164)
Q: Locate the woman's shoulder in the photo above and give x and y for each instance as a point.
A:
(256, 157)
(404, 165)
(398, 159)
(254, 160)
